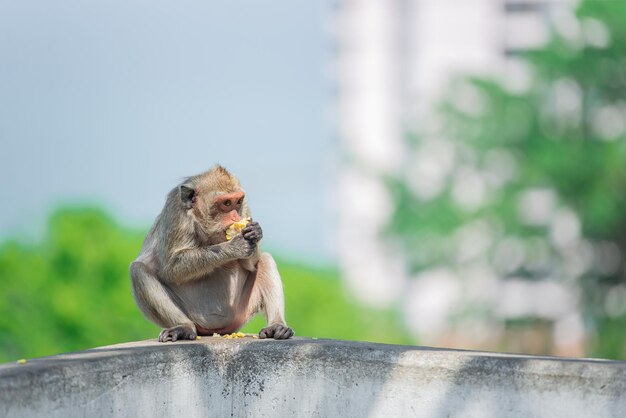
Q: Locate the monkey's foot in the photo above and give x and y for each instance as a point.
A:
(179, 332)
(276, 331)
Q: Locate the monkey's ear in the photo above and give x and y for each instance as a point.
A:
(187, 195)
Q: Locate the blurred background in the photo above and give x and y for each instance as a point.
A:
(455, 169)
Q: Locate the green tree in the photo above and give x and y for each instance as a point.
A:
(71, 291)
(541, 171)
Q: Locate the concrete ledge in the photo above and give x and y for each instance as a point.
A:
(215, 377)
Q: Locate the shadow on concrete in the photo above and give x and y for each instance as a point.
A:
(499, 385)
(215, 377)
(206, 378)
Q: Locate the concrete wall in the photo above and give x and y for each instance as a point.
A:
(214, 377)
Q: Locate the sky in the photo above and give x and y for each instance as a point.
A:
(114, 102)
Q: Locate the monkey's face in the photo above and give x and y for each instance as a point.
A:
(215, 200)
(228, 207)
(220, 211)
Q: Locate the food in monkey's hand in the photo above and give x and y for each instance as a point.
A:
(236, 228)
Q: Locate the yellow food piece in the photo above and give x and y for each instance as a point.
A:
(198, 337)
(21, 361)
(233, 335)
(236, 228)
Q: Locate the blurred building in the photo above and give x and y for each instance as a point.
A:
(394, 58)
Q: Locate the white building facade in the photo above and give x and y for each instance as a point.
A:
(394, 59)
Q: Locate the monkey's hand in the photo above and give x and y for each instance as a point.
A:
(277, 332)
(240, 247)
(252, 232)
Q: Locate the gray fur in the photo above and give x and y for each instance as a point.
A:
(189, 280)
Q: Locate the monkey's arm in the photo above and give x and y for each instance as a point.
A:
(187, 264)
(250, 264)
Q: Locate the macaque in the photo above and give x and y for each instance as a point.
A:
(191, 281)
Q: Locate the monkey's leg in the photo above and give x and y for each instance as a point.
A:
(157, 305)
(268, 293)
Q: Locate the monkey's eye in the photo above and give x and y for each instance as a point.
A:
(240, 201)
(227, 202)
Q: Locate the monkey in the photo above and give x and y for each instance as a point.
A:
(189, 280)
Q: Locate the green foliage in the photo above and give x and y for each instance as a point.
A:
(317, 305)
(72, 292)
(564, 135)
